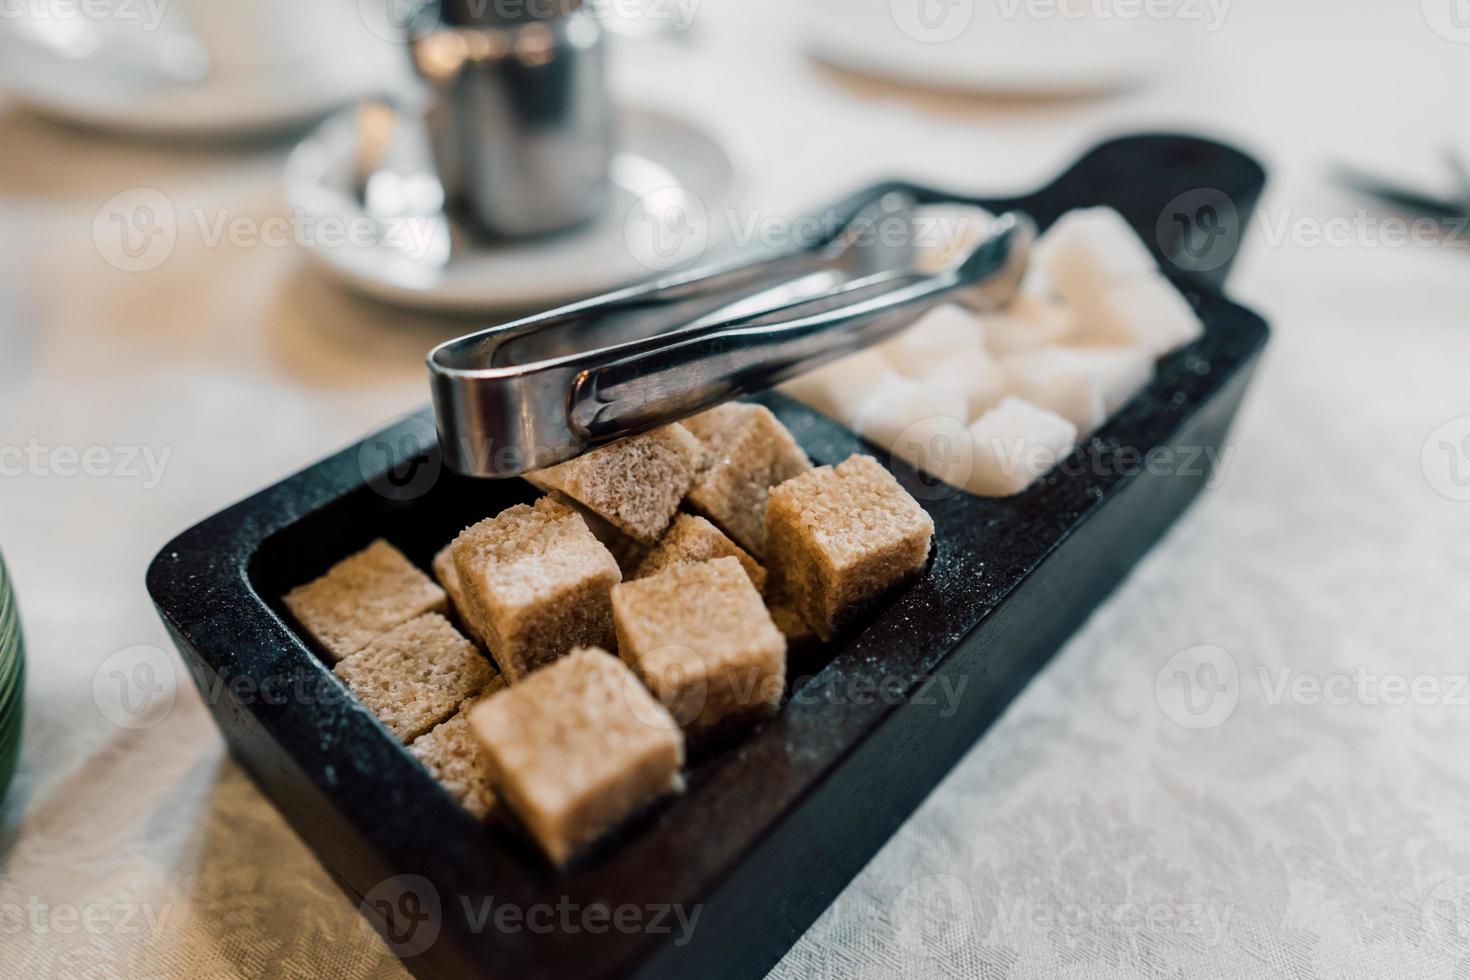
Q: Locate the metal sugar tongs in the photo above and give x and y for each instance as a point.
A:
(527, 394)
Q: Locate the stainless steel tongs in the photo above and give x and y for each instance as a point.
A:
(538, 391)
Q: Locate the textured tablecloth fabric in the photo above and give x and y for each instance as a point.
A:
(1089, 834)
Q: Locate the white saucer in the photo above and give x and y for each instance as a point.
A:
(220, 104)
(963, 45)
(673, 183)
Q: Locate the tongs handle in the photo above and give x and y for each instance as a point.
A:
(701, 366)
(863, 245)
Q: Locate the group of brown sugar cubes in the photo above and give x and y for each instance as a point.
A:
(699, 604)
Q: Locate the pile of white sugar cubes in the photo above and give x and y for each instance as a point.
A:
(990, 402)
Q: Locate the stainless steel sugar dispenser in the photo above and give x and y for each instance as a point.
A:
(520, 118)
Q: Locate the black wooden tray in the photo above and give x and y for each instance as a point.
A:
(772, 828)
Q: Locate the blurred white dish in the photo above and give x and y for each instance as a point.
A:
(673, 194)
(1007, 47)
(165, 80)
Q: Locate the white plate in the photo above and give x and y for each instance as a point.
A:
(93, 92)
(673, 185)
(972, 45)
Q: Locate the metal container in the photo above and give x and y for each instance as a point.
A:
(520, 118)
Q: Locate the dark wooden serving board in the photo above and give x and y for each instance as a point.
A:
(772, 828)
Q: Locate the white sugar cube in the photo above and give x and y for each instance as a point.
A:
(1051, 378)
(839, 389)
(944, 232)
(1147, 313)
(1014, 443)
(934, 337)
(1035, 283)
(897, 404)
(1120, 372)
(938, 445)
(975, 373)
(1031, 320)
(1087, 251)
(1084, 385)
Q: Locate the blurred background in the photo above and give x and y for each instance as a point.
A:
(230, 232)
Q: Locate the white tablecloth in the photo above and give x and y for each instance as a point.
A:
(1089, 834)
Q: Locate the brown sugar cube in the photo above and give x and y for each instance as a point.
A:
(791, 624)
(362, 597)
(625, 551)
(839, 538)
(577, 748)
(693, 539)
(415, 676)
(448, 577)
(453, 756)
(701, 639)
(635, 484)
(536, 584)
(747, 451)
(800, 637)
